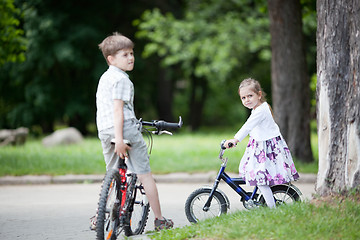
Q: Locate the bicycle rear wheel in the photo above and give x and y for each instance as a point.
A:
(283, 194)
(138, 208)
(108, 208)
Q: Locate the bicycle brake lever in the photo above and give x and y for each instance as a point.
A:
(165, 132)
(162, 132)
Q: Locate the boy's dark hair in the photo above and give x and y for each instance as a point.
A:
(112, 44)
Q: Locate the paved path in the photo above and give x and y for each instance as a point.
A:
(62, 211)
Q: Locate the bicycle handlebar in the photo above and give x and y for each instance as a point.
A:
(161, 125)
(223, 146)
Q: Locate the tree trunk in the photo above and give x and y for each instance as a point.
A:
(165, 95)
(78, 122)
(290, 83)
(199, 89)
(338, 95)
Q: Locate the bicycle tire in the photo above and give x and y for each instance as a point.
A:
(107, 223)
(196, 201)
(283, 194)
(138, 210)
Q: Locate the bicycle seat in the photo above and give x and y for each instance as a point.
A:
(127, 142)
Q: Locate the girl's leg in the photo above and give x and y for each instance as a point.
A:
(268, 195)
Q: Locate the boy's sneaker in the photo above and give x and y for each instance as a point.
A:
(163, 224)
(93, 223)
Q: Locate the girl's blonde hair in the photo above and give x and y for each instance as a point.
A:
(255, 86)
(112, 44)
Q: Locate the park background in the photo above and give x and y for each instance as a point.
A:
(190, 57)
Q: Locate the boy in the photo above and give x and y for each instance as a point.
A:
(115, 118)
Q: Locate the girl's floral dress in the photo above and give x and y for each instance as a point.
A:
(267, 163)
(267, 159)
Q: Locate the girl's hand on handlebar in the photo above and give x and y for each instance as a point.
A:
(231, 143)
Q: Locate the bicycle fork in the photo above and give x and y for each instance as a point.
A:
(233, 183)
(214, 188)
(211, 195)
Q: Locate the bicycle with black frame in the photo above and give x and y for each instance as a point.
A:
(207, 202)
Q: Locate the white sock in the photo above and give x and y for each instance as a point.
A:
(268, 195)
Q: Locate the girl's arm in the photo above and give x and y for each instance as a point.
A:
(120, 147)
(256, 117)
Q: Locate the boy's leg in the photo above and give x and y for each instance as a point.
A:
(110, 157)
(152, 194)
(138, 162)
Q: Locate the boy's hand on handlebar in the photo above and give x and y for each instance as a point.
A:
(121, 149)
(231, 143)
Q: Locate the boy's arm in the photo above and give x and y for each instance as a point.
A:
(120, 147)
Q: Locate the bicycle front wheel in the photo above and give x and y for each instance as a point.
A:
(107, 219)
(138, 211)
(196, 201)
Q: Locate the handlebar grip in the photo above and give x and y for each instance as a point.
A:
(161, 125)
(166, 125)
(230, 144)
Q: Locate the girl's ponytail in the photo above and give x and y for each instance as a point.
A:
(271, 110)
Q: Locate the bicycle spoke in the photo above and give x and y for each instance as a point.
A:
(199, 203)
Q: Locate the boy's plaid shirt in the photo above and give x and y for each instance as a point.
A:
(113, 84)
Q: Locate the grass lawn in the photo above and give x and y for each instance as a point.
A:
(182, 152)
(336, 217)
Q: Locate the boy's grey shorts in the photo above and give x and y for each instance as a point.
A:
(138, 161)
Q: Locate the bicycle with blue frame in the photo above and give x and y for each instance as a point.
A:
(207, 202)
(123, 205)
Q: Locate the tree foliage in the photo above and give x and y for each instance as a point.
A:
(205, 42)
(12, 42)
(57, 82)
(191, 48)
(215, 41)
(50, 84)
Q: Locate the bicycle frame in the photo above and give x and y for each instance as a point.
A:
(235, 183)
(123, 185)
(232, 182)
(209, 201)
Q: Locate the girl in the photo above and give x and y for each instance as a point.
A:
(267, 160)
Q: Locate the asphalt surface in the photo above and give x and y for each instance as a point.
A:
(33, 209)
(177, 177)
